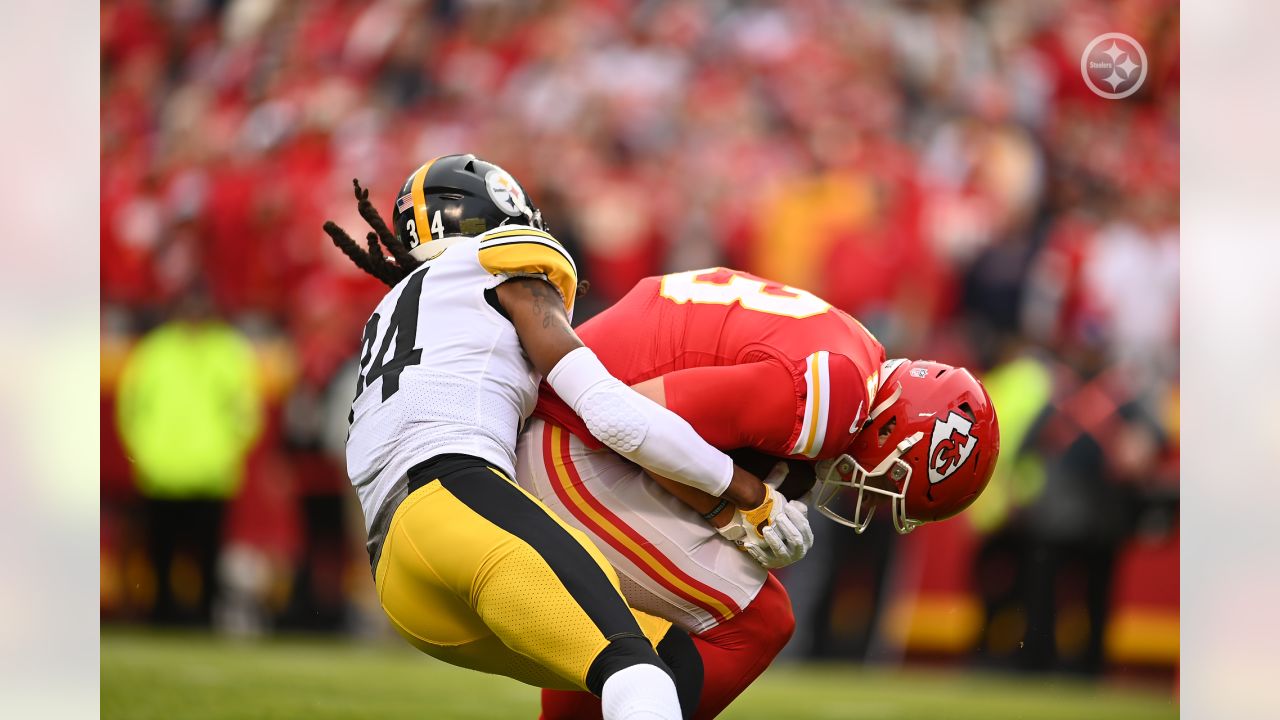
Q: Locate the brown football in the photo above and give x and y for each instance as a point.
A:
(800, 477)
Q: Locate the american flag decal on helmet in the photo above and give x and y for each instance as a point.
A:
(404, 203)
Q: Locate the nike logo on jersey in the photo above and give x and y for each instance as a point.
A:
(857, 420)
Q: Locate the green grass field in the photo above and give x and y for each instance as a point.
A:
(195, 677)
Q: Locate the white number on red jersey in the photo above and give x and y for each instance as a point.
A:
(726, 287)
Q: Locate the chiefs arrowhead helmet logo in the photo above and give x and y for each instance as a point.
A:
(950, 446)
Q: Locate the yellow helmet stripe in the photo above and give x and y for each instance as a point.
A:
(418, 188)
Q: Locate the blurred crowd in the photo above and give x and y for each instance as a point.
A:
(938, 168)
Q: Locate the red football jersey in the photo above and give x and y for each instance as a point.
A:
(748, 362)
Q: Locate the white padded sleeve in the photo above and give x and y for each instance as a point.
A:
(636, 427)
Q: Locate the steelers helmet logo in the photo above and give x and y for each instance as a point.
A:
(506, 193)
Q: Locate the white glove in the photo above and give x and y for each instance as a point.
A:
(777, 532)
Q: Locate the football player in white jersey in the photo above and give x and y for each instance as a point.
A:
(470, 568)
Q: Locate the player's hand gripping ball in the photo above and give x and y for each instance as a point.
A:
(776, 533)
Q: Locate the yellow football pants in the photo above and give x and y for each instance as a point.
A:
(480, 574)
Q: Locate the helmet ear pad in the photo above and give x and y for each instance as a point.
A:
(460, 196)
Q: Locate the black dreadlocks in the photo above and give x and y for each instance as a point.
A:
(390, 270)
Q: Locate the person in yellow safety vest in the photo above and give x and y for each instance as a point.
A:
(189, 410)
(1021, 388)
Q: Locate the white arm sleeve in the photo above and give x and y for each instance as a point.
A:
(636, 427)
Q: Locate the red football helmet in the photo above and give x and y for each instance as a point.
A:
(929, 445)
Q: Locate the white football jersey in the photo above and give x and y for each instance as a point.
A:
(441, 367)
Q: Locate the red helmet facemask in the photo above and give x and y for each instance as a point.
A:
(929, 446)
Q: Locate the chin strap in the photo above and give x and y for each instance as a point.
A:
(532, 218)
(886, 369)
(886, 403)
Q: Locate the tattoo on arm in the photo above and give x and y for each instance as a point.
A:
(546, 303)
(540, 320)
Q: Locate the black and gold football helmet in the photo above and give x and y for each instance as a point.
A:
(458, 196)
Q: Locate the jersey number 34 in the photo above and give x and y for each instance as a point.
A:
(403, 330)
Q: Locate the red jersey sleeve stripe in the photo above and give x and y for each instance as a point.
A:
(817, 407)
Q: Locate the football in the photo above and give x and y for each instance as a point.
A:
(800, 475)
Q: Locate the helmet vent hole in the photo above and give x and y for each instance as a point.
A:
(967, 411)
(886, 430)
(943, 370)
(470, 166)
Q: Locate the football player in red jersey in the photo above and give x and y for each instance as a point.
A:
(755, 365)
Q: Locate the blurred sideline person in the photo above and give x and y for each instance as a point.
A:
(1020, 382)
(1097, 442)
(468, 567)
(762, 368)
(189, 411)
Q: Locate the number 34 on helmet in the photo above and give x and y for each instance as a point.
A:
(457, 196)
(928, 449)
